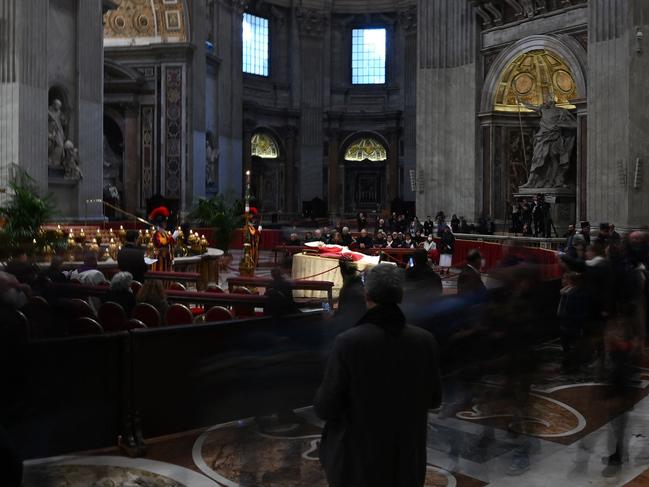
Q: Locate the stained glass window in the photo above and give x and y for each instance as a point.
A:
(368, 56)
(264, 146)
(366, 150)
(255, 45)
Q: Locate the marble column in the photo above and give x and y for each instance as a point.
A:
(334, 194)
(131, 157)
(23, 91)
(289, 179)
(90, 73)
(229, 15)
(448, 165)
(638, 215)
(582, 159)
(393, 164)
(618, 121)
(314, 34)
(196, 162)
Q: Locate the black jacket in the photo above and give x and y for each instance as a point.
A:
(447, 244)
(469, 281)
(351, 300)
(280, 299)
(381, 379)
(130, 258)
(424, 281)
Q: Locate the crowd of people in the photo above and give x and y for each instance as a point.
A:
(383, 365)
(398, 231)
(532, 218)
(602, 321)
(25, 279)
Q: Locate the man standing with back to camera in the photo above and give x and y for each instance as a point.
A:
(381, 379)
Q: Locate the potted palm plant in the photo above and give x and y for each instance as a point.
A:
(224, 215)
(24, 215)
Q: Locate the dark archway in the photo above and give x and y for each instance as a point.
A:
(267, 157)
(365, 157)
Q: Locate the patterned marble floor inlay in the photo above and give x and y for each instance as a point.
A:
(109, 471)
(246, 453)
(93, 476)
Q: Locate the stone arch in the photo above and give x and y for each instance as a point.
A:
(564, 46)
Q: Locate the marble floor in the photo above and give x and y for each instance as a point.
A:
(569, 426)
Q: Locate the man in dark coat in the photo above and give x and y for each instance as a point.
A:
(351, 300)
(381, 379)
(130, 258)
(280, 296)
(421, 279)
(364, 241)
(469, 281)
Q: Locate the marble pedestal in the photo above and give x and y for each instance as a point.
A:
(562, 201)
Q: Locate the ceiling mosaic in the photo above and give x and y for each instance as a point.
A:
(142, 22)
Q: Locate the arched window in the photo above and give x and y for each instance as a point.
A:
(366, 149)
(264, 146)
(535, 77)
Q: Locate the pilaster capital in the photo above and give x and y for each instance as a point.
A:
(311, 21)
(239, 6)
(408, 19)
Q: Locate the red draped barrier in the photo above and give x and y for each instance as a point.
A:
(493, 254)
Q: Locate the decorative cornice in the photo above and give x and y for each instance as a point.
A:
(239, 6)
(311, 21)
(278, 15)
(493, 12)
(408, 19)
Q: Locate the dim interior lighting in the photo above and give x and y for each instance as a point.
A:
(247, 173)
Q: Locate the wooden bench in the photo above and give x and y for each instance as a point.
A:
(188, 297)
(173, 276)
(302, 284)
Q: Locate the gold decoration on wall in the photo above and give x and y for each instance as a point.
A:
(535, 77)
(366, 149)
(142, 22)
(264, 146)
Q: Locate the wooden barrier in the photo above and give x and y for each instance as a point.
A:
(173, 276)
(294, 283)
(188, 297)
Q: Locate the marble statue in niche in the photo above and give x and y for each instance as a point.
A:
(71, 162)
(212, 153)
(56, 136)
(553, 146)
(112, 177)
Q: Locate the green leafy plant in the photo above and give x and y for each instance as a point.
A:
(24, 215)
(224, 214)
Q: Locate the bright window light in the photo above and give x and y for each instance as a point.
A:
(254, 32)
(368, 56)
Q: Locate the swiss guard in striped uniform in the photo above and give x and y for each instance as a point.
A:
(163, 241)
